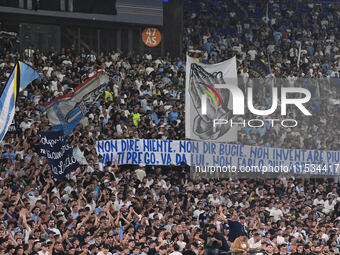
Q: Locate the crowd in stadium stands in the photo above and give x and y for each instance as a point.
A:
(217, 30)
(109, 209)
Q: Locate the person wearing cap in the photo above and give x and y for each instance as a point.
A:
(19, 250)
(318, 200)
(144, 249)
(205, 217)
(46, 249)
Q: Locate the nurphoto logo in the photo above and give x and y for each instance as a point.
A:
(238, 106)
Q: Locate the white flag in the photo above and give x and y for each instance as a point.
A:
(208, 98)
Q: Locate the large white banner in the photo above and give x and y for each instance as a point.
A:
(207, 99)
(210, 154)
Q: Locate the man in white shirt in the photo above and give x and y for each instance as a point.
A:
(156, 212)
(140, 172)
(300, 233)
(280, 239)
(25, 124)
(121, 127)
(291, 79)
(277, 212)
(329, 204)
(117, 205)
(44, 250)
(148, 181)
(252, 53)
(181, 242)
(199, 210)
(255, 242)
(51, 227)
(104, 250)
(318, 200)
(269, 208)
(214, 199)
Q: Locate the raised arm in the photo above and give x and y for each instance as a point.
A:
(222, 215)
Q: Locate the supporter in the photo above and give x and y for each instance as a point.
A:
(105, 250)
(236, 225)
(44, 249)
(241, 244)
(212, 241)
(255, 241)
(176, 251)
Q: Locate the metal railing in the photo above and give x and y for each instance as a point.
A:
(240, 252)
(65, 5)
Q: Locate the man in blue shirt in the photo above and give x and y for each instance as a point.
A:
(10, 212)
(173, 115)
(236, 226)
(9, 154)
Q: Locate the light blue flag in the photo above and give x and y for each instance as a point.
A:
(19, 79)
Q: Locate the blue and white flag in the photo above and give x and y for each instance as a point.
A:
(65, 112)
(19, 79)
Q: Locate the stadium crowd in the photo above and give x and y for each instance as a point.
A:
(217, 30)
(109, 209)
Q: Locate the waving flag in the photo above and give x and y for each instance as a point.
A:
(65, 112)
(207, 99)
(258, 70)
(19, 79)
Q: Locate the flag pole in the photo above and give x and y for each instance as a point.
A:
(299, 55)
(271, 79)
